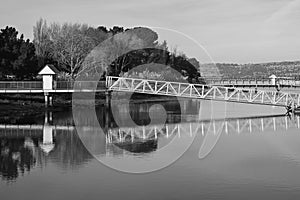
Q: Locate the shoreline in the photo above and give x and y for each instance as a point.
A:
(34, 105)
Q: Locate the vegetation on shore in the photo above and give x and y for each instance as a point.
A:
(289, 69)
(67, 46)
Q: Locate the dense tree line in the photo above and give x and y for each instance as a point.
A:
(69, 46)
(17, 55)
(156, 63)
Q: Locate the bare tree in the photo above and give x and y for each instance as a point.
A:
(41, 41)
(70, 45)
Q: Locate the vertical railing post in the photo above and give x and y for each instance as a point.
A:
(106, 81)
(286, 99)
(132, 84)
(214, 93)
(167, 88)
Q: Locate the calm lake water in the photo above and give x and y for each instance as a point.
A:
(255, 153)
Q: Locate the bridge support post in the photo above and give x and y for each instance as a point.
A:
(48, 99)
(107, 108)
(107, 97)
(107, 118)
(47, 144)
(46, 95)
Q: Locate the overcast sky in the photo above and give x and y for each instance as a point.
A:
(240, 31)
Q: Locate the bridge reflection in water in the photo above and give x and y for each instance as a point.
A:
(47, 132)
(26, 146)
(227, 126)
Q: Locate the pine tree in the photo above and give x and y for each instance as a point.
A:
(17, 56)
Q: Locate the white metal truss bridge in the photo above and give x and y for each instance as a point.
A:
(207, 92)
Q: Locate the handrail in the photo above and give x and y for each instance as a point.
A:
(21, 85)
(252, 82)
(57, 85)
(63, 85)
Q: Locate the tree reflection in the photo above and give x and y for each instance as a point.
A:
(17, 157)
(22, 149)
(139, 146)
(20, 155)
(69, 152)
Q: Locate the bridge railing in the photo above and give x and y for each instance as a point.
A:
(70, 85)
(263, 81)
(238, 81)
(289, 82)
(21, 85)
(57, 85)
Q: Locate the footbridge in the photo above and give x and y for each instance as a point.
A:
(205, 92)
(155, 87)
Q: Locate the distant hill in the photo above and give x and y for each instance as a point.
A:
(209, 71)
(258, 70)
